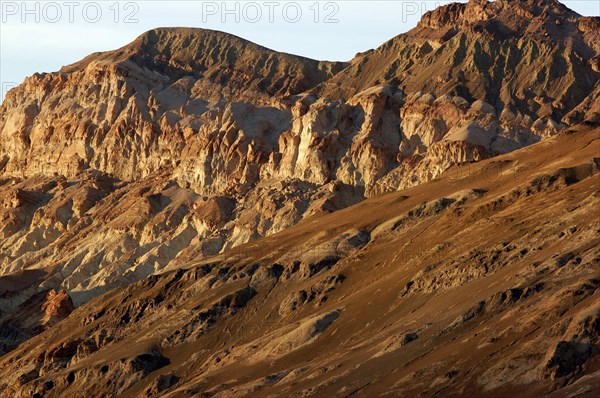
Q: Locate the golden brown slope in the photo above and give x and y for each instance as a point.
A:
(483, 282)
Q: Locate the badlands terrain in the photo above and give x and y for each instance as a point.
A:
(194, 215)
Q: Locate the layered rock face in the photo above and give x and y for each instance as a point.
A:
(189, 142)
(225, 113)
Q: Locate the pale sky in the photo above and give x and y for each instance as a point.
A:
(42, 36)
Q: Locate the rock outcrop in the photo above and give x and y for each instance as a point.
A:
(38, 313)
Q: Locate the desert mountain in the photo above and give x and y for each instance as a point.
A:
(205, 156)
(535, 56)
(450, 288)
(223, 67)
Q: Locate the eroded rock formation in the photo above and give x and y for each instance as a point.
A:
(190, 143)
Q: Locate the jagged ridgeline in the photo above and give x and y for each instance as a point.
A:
(535, 56)
(196, 149)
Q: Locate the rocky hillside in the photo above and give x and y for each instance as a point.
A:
(189, 143)
(534, 56)
(483, 282)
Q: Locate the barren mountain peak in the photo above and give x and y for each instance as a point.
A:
(535, 56)
(514, 13)
(170, 40)
(214, 56)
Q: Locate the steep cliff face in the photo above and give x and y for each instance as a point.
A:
(133, 110)
(178, 91)
(248, 172)
(188, 142)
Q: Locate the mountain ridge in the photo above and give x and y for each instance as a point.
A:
(472, 48)
(179, 52)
